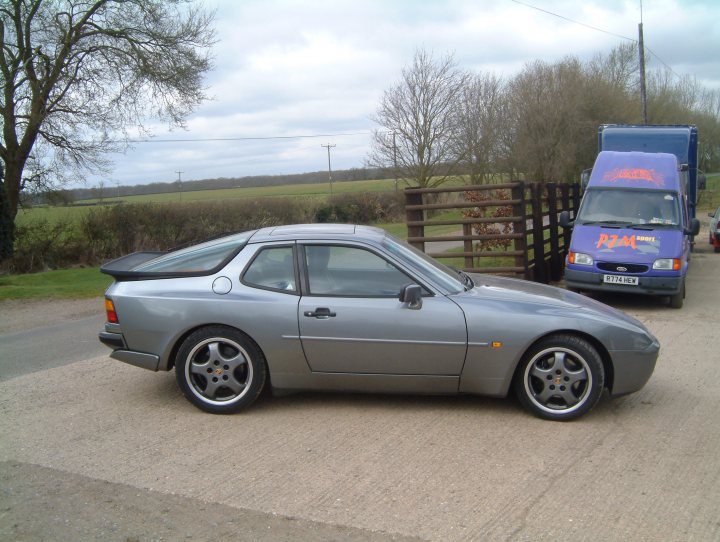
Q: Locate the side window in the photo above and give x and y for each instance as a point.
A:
(272, 268)
(350, 271)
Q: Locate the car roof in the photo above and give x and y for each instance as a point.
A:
(318, 231)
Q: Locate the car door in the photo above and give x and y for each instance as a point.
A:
(351, 319)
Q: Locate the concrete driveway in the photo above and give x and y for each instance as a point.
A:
(97, 450)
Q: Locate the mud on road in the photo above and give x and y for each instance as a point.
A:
(97, 450)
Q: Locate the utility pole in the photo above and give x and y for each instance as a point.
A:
(395, 161)
(179, 184)
(328, 146)
(641, 48)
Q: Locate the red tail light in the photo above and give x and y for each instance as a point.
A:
(110, 311)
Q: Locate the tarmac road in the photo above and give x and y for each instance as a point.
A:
(97, 450)
(51, 345)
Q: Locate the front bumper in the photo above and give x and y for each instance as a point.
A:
(592, 280)
(632, 369)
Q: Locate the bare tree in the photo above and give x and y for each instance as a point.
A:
(478, 127)
(77, 73)
(545, 119)
(416, 118)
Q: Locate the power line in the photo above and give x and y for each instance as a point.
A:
(653, 53)
(574, 21)
(257, 138)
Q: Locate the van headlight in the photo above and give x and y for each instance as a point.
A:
(580, 258)
(667, 264)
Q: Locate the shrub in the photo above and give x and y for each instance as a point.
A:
(109, 232)
(105, 233)
(363, 208)
(502, 211)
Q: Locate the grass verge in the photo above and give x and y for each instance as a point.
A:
(78, 283)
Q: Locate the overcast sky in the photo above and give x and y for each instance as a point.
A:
(295, 68)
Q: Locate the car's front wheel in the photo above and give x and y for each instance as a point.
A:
(220, 370)
(560, 378)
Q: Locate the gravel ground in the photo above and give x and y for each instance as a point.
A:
(16, 315)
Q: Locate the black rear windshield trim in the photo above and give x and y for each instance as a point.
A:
(120, 274)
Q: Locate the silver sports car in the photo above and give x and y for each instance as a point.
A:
(351, 308)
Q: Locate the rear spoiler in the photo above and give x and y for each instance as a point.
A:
(121, 268)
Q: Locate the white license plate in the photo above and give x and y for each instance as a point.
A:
(620, 279)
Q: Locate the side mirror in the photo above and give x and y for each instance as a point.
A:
(412, 295)
(565, 221)
(694, 227)
(711, 215)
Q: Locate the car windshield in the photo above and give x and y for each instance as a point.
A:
(197, 258)
(439, 273)
(627, 207)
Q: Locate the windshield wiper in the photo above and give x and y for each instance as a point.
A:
(467, 281)
(608, 223)
(469, 284)
(653, 225)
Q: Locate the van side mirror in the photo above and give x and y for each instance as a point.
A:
(694, 227)
(412, 295)
(565, 221)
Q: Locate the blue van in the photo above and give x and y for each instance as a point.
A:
(632, 231)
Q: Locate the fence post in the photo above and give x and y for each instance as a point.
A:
(468, 246)
(555, 259)
(537, 229)
(519, 210)
(414, 215)
(565, 194)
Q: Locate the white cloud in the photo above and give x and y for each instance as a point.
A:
(285, 67)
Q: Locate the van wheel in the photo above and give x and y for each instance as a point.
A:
(676, 301)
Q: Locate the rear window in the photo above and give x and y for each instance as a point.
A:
(197, 258)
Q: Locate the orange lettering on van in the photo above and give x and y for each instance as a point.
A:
(634, 174)
(612, 241)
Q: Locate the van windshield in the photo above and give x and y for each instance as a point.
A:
(629, 207)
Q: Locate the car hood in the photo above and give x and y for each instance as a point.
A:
(542, 297)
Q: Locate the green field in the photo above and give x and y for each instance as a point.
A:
(61, 284)
(309, 190)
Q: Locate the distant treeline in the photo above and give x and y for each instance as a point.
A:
(108, 190)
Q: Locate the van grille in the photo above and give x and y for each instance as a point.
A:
(622, 267)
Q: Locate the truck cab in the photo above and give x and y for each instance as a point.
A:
(633, 229)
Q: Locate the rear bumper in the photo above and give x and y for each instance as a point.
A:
(112, 340)
(120, 352)
(715, 239)
(591, 280)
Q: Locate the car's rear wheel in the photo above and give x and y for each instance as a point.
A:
(560, 378)
(220, 370)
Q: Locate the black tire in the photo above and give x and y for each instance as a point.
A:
(220, 370)
(560, 378)
(677, 300)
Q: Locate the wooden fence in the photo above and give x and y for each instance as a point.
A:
(533, 246)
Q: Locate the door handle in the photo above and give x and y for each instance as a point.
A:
(321, 313)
